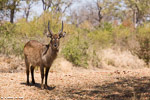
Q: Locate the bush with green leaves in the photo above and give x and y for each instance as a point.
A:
(143, 37)
(139, 43)
(101, 37)
(75, 51)
(10, 42)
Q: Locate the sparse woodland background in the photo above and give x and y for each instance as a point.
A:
(99, 33)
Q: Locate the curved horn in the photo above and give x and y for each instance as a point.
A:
(49, 29)
(61, 29)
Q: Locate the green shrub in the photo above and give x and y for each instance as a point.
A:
(107, 27)
(139, 43)
(75, 51)
(10, 41)
(143, 38)
(121, 35)
(95, 60)
(144, 52)
(101, 37)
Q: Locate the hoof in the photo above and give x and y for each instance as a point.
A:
(27, 83)
(42, 86)
(46, 86)
(33, 82)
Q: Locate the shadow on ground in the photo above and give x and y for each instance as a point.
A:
(38, 86)
(124, 89)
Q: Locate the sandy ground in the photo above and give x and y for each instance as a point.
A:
(71, 83)
(80, 84)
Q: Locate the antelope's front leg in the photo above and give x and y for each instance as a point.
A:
(46, 76)
(42, 76)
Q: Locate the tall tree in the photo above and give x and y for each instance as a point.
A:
(13, 8)
(99, 11)
(9, 7)
(96, 12)
(140, 9)
(27, 8)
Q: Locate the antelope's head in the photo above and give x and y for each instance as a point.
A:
(55, 38)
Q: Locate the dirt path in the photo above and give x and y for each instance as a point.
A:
(83, 84)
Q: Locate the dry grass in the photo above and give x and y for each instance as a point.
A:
(61, 65)
(11, 64)
(120, 59)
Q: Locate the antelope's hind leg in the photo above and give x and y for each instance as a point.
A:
(32, 74)
(27, 69)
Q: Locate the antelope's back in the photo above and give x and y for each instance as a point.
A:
(32, 52)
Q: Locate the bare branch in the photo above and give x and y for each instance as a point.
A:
(46, 5)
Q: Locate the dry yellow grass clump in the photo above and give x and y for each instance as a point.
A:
(11, 64)
(120, 59)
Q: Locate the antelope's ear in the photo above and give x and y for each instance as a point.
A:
(62, 35)
(49, 35)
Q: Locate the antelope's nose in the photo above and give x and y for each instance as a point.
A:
(55, 45)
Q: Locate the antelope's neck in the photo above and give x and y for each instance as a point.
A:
(49, 57)
(52, 53)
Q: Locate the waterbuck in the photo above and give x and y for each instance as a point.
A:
(38, 54)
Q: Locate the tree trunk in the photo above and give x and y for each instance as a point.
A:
(27, 13)
(12, 13)
(99, 12)
(134, 18)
